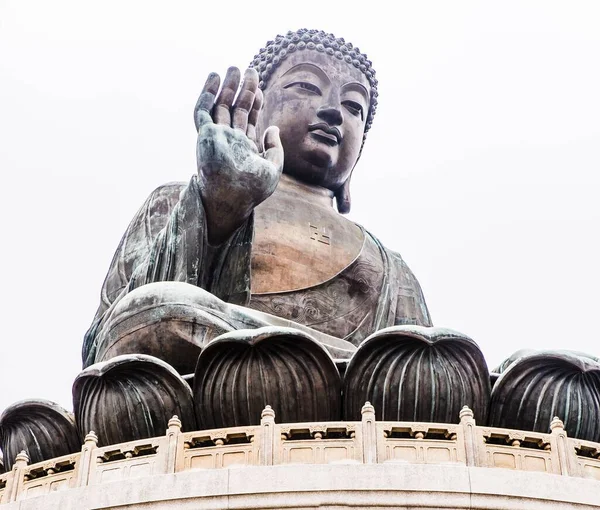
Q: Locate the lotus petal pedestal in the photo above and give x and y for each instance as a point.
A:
(40, 427)
(413, 373)
(130, 397)
(541, 385)
(241, 372)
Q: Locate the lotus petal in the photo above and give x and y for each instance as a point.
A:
(414, 373)
(541, 385)
(241, 372)
(40, 427)
(131, 397)
(502, 367)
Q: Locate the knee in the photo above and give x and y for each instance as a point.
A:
(169, 320)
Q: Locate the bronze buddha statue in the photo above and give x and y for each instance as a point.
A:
(256, 226)
(248, 269)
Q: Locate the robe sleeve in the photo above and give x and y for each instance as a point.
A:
(181, 253)
(167, 241)
(410, 306)
(401, 299)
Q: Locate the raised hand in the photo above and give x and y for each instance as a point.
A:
(233, 176)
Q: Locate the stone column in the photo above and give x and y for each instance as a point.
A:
(369, 434)
(563, 453)
(173, 431)
(16, 478)
(470, 438)
(267, 437)
(87, 460)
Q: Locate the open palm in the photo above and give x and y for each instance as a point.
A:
(234, 177)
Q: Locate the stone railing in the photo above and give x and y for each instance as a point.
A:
(365, 442)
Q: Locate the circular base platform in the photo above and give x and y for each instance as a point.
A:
(376, 486)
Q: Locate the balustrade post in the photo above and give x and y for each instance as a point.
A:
(470, 439)
(87, 460)
(562, 452)
(5, 496)
(267, 437)
(173, 431)
(7, 485)
(369, 434)
(16, 477)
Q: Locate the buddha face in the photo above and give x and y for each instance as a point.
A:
(320, 104)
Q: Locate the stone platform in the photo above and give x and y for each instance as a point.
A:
(366, 464)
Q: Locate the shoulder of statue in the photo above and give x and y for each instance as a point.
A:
(165, 195)
(169, 189)
(393, 256)
(154, 212)
(395, 260)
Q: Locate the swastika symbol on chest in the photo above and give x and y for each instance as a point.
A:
(319, 234)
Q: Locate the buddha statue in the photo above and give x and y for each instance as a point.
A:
(252, 251)
(254, 235)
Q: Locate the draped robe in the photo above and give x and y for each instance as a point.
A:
(167, 242)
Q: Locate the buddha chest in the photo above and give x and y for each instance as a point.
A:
(300, 243)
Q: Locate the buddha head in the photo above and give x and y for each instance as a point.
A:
(321, 93)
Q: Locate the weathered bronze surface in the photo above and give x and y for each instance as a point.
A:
(240, 371)
(411, 373)
(41, 428)
(534, 387)
(130, 397)
(252, 237)
(298, 242)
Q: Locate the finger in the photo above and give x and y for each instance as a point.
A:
(206, 100)
(245, 100)
(273, 147)
(253, 116)
(222, 111)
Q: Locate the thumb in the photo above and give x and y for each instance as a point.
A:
(273, 147)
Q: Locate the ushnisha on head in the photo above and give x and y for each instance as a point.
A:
(321, 93)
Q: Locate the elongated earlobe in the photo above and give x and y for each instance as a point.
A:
(342, 197)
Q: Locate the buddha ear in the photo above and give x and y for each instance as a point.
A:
(342, 197)
(342, 194)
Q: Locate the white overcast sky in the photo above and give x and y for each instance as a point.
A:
(482, 167)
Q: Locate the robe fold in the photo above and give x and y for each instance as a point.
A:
(167, 242)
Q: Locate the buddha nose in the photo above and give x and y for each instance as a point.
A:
(330, 114)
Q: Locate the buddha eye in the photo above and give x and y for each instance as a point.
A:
(354, 108)
(305, 86)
